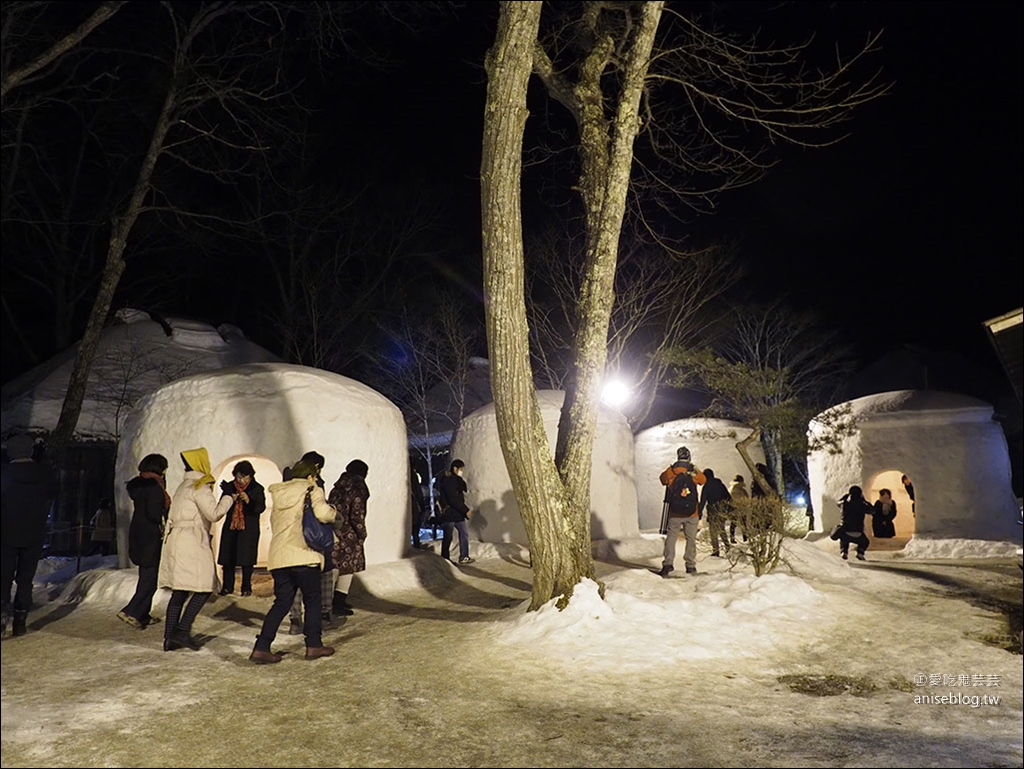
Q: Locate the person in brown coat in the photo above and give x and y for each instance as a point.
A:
(349, 497)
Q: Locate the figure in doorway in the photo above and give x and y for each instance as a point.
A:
(882, 526)
(240, 535)
(910, 493)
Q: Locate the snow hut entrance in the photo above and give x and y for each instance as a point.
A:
(905, 517)
(267, 472)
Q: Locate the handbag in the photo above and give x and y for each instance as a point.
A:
(319, 536)
(834, 534)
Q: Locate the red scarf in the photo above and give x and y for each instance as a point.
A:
(159, 479)
(238, 514)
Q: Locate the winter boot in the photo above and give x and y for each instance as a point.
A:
(20, 620)
(340, 604)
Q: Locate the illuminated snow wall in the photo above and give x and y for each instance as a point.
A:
(612, 489)
(276, 412)
(953, 451)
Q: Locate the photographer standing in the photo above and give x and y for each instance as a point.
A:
(680, 480)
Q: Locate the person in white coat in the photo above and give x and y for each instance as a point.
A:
(187, 564)
(293, 564)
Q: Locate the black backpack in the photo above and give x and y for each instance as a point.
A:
(682, 495)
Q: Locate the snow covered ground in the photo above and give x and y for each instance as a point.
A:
(822, 663)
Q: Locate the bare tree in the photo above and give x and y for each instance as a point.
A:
(774, 371)
(597, 66)
(663, 299)
(23, 73)
(424, 367)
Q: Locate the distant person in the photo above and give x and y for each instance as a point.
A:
(348, 498)
(681, 480)
(327, 573)
(240, 534)
(455, 512)
(737, 490)
(882, 526)
(909, 487)
(714, 500)
(148, 492)
(854, 508)
(418, 506)
(187, 567)
(29, 488)
(293, 564)
(755, 485)
(103, 531)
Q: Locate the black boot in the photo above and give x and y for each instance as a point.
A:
(340, 604)
(20, 620)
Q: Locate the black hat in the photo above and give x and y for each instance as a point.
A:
(683, 454)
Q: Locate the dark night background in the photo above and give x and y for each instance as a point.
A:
(906, 233)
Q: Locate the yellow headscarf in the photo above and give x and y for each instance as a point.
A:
(199, 460)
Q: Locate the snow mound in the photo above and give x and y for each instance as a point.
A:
(920, 547)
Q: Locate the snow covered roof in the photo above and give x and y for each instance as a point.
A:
(135, 356)
(915, 405)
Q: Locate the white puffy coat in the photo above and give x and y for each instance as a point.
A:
(186, 562)
(288, 547)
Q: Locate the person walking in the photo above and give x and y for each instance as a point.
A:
(187, 567)
(680, 480)
(240, 534)
(455, 512)
(29, 488)
(103, 531)
(293, 564)
(151, 502)
(737, 490)
(328, 573)
(854, 508)
(714, 500)
(348, 498)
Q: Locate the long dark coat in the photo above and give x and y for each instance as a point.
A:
(882, 525)
(245, 543)
(28, 491)
(145, 534)
(349, 497)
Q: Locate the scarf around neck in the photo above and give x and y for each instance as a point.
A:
(238, 513)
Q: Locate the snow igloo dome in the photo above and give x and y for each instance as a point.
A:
(271, 414)
(497, 517)
(712, 443)
(952, 451)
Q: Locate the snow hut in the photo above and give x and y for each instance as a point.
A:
(712, 443)
(271, 414)
(612, 490)
(948, 445)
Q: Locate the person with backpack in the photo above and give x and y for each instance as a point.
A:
(681, 480)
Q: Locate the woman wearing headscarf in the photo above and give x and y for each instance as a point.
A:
(186, 565)
(151, 502)
(240, 535)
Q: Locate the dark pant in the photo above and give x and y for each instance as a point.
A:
(860, 540)
(287, 582)
(178, 622)
(229, 578)
(446, 543)
(142, 602)
(18, 564)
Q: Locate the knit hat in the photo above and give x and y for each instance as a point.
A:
(683, 454)
(20, 446)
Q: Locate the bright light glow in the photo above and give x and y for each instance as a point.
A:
(800, 501)
(616, 393)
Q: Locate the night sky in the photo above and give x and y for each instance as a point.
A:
(908, 232)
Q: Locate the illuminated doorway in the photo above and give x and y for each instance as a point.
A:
(905, 518)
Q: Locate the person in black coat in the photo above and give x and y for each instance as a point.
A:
(455, 511)
(148, 492)
(882, 526)
(240, 535)
(854, 507)
(28, 491)
(715, 498)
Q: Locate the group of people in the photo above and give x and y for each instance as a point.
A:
(685, 507)
(169, 539)
(850, 530)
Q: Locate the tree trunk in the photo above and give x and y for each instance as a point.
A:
(112, 271)
(539, 492)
